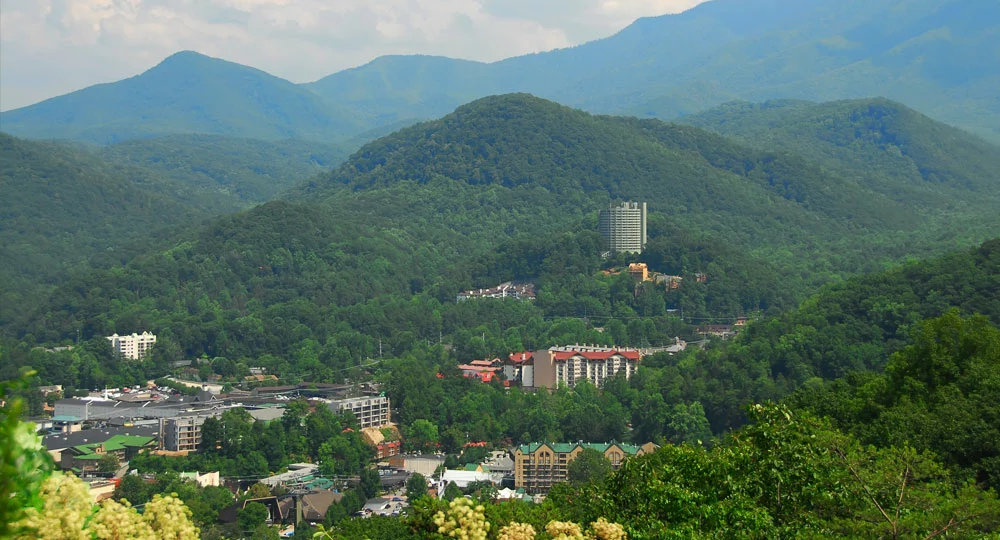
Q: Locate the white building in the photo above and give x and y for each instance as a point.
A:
(624, 227)
(372, 411)
(134, 347)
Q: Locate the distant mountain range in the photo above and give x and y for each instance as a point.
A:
(941, 57)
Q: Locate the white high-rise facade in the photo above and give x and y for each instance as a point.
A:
(624, 227)
(134, 347)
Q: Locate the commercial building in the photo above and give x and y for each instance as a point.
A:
(568, 365)
(87, 456)
(134, 347)
(538, 466)
(624, 227)
(371, 411)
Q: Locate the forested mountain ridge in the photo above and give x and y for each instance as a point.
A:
(63, 208)
(848, 328)
(527, 152)
(253, 170)
(187, 93)
(940, 56)
(868, 137)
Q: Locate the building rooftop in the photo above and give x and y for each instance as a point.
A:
(58, 441)
(564, 448)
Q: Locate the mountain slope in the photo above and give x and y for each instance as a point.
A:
(525, 153)
(251, 169)
(186, 93)
(504, 187)
(895, 150)
(61, 207)
(940, 56)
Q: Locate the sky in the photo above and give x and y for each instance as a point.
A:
(52, 47)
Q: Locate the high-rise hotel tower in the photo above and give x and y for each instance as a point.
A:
(624, 227)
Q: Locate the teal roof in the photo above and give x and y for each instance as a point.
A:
(565, 448)
(118, 442)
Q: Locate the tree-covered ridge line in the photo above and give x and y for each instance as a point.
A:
(64, 210)
(516, 144)
(253, 170)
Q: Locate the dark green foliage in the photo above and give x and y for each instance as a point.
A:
(786, 475)
(940, 393)
(416, 487)
(849, 327)
(588, 466)
(63, 209)
(251, 516)
(253, 170)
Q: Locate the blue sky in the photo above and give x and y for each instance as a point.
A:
(51, 47)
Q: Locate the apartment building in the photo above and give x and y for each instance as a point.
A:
(183, 433)
(134, 347)
(539, 466)
(568, 365)
(371, 411)
(624, 227)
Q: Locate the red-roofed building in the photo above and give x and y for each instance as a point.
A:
(567, 365)
(517, 367)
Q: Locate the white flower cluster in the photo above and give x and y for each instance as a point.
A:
(463, 520)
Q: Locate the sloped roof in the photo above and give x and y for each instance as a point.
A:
(118, 442)
(560, 356)
(565, 448)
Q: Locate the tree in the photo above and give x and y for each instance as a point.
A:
(452, 492)
(211, 435)
(588, 466)
(133, 489)
(108, 463)
(423, 435)
(253, 515)
(258, 491)
(370, 483)
(416, 487)
(334, 513)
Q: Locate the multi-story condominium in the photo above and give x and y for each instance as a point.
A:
(538, 466)
(624, 227)
(183, 433)
(134, 347)
(566, 366)
(372, 411)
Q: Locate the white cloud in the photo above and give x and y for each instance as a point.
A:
(50, 47)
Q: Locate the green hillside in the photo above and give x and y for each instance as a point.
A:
(528, 163)
(873, 138)
(62, 207)
(488, 193)
(252, 170)
(187, 93)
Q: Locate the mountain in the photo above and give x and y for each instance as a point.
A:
(893, 148)
(253, 170)
(373, 253)
(939, 56)
(186, 93)
(64, 208)
(526, 153)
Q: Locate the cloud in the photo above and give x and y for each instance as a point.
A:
(50, 47)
